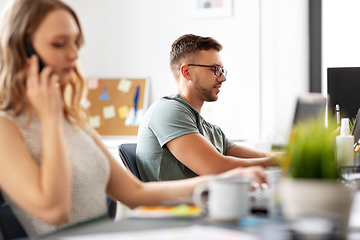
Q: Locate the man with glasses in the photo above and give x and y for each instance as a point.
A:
(174, 141)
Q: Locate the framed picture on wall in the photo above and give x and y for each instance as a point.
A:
(200, 9)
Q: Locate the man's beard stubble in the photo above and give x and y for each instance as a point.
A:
(205, 94)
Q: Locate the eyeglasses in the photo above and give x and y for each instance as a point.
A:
(218, 71)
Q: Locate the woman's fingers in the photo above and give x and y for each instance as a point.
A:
(45, 76)
(54, 80)
(258, 176)
(55, 85)
(43, 90)
(32, 79)
(255, 173)
(262, 176)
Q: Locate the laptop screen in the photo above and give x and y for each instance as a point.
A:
(309, 106)
(356, 127)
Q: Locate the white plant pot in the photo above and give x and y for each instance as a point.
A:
(316, 198)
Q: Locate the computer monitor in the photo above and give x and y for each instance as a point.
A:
(344, 89)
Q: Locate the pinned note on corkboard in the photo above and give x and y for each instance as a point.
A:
(115, 106)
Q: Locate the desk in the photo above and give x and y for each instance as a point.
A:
(260, 231)
(134, 224)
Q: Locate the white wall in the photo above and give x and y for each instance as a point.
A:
(284, 65)
(2, 5)
(265, 52)
(133, 38)
(340, 35)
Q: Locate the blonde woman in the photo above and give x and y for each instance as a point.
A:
(54, 169)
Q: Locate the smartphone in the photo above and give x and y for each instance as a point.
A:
(30, 51)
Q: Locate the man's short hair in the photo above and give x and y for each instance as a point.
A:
(187, 47)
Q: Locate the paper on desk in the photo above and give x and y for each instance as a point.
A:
(134, 117)
(182, 210)
(195, 232)
(354, 220)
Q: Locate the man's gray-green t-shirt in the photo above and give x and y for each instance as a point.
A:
(167, 119)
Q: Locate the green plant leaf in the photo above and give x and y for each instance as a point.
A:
(311, 150)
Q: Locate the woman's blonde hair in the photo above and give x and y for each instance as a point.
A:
(19, 22)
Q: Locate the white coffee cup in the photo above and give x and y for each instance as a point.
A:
(228, 198)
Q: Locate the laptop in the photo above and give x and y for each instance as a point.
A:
(356, 128)
(310, 106)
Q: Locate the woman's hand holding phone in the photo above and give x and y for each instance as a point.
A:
(30, 50)
(43, 91)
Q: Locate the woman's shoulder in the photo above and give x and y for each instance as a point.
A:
(7, 114)
(15, 117)
(23, 121)
(8, 125)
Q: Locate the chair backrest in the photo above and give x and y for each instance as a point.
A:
(127, 152)
(10, 228)
(112, 207)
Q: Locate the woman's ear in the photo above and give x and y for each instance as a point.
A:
(184, 70)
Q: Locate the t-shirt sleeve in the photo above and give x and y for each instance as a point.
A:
(227, 144)
(172, 119)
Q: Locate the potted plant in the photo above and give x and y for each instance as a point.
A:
(312, 186)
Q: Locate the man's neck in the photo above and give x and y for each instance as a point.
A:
(195, 103)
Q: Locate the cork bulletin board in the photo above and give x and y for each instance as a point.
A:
(115, 106)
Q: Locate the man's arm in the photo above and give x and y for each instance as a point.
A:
(244, 152)
(125, 187)
(274, 158)
(199, 155)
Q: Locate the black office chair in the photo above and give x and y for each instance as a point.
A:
(10, 228)
(127, 153)
(112, 206)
